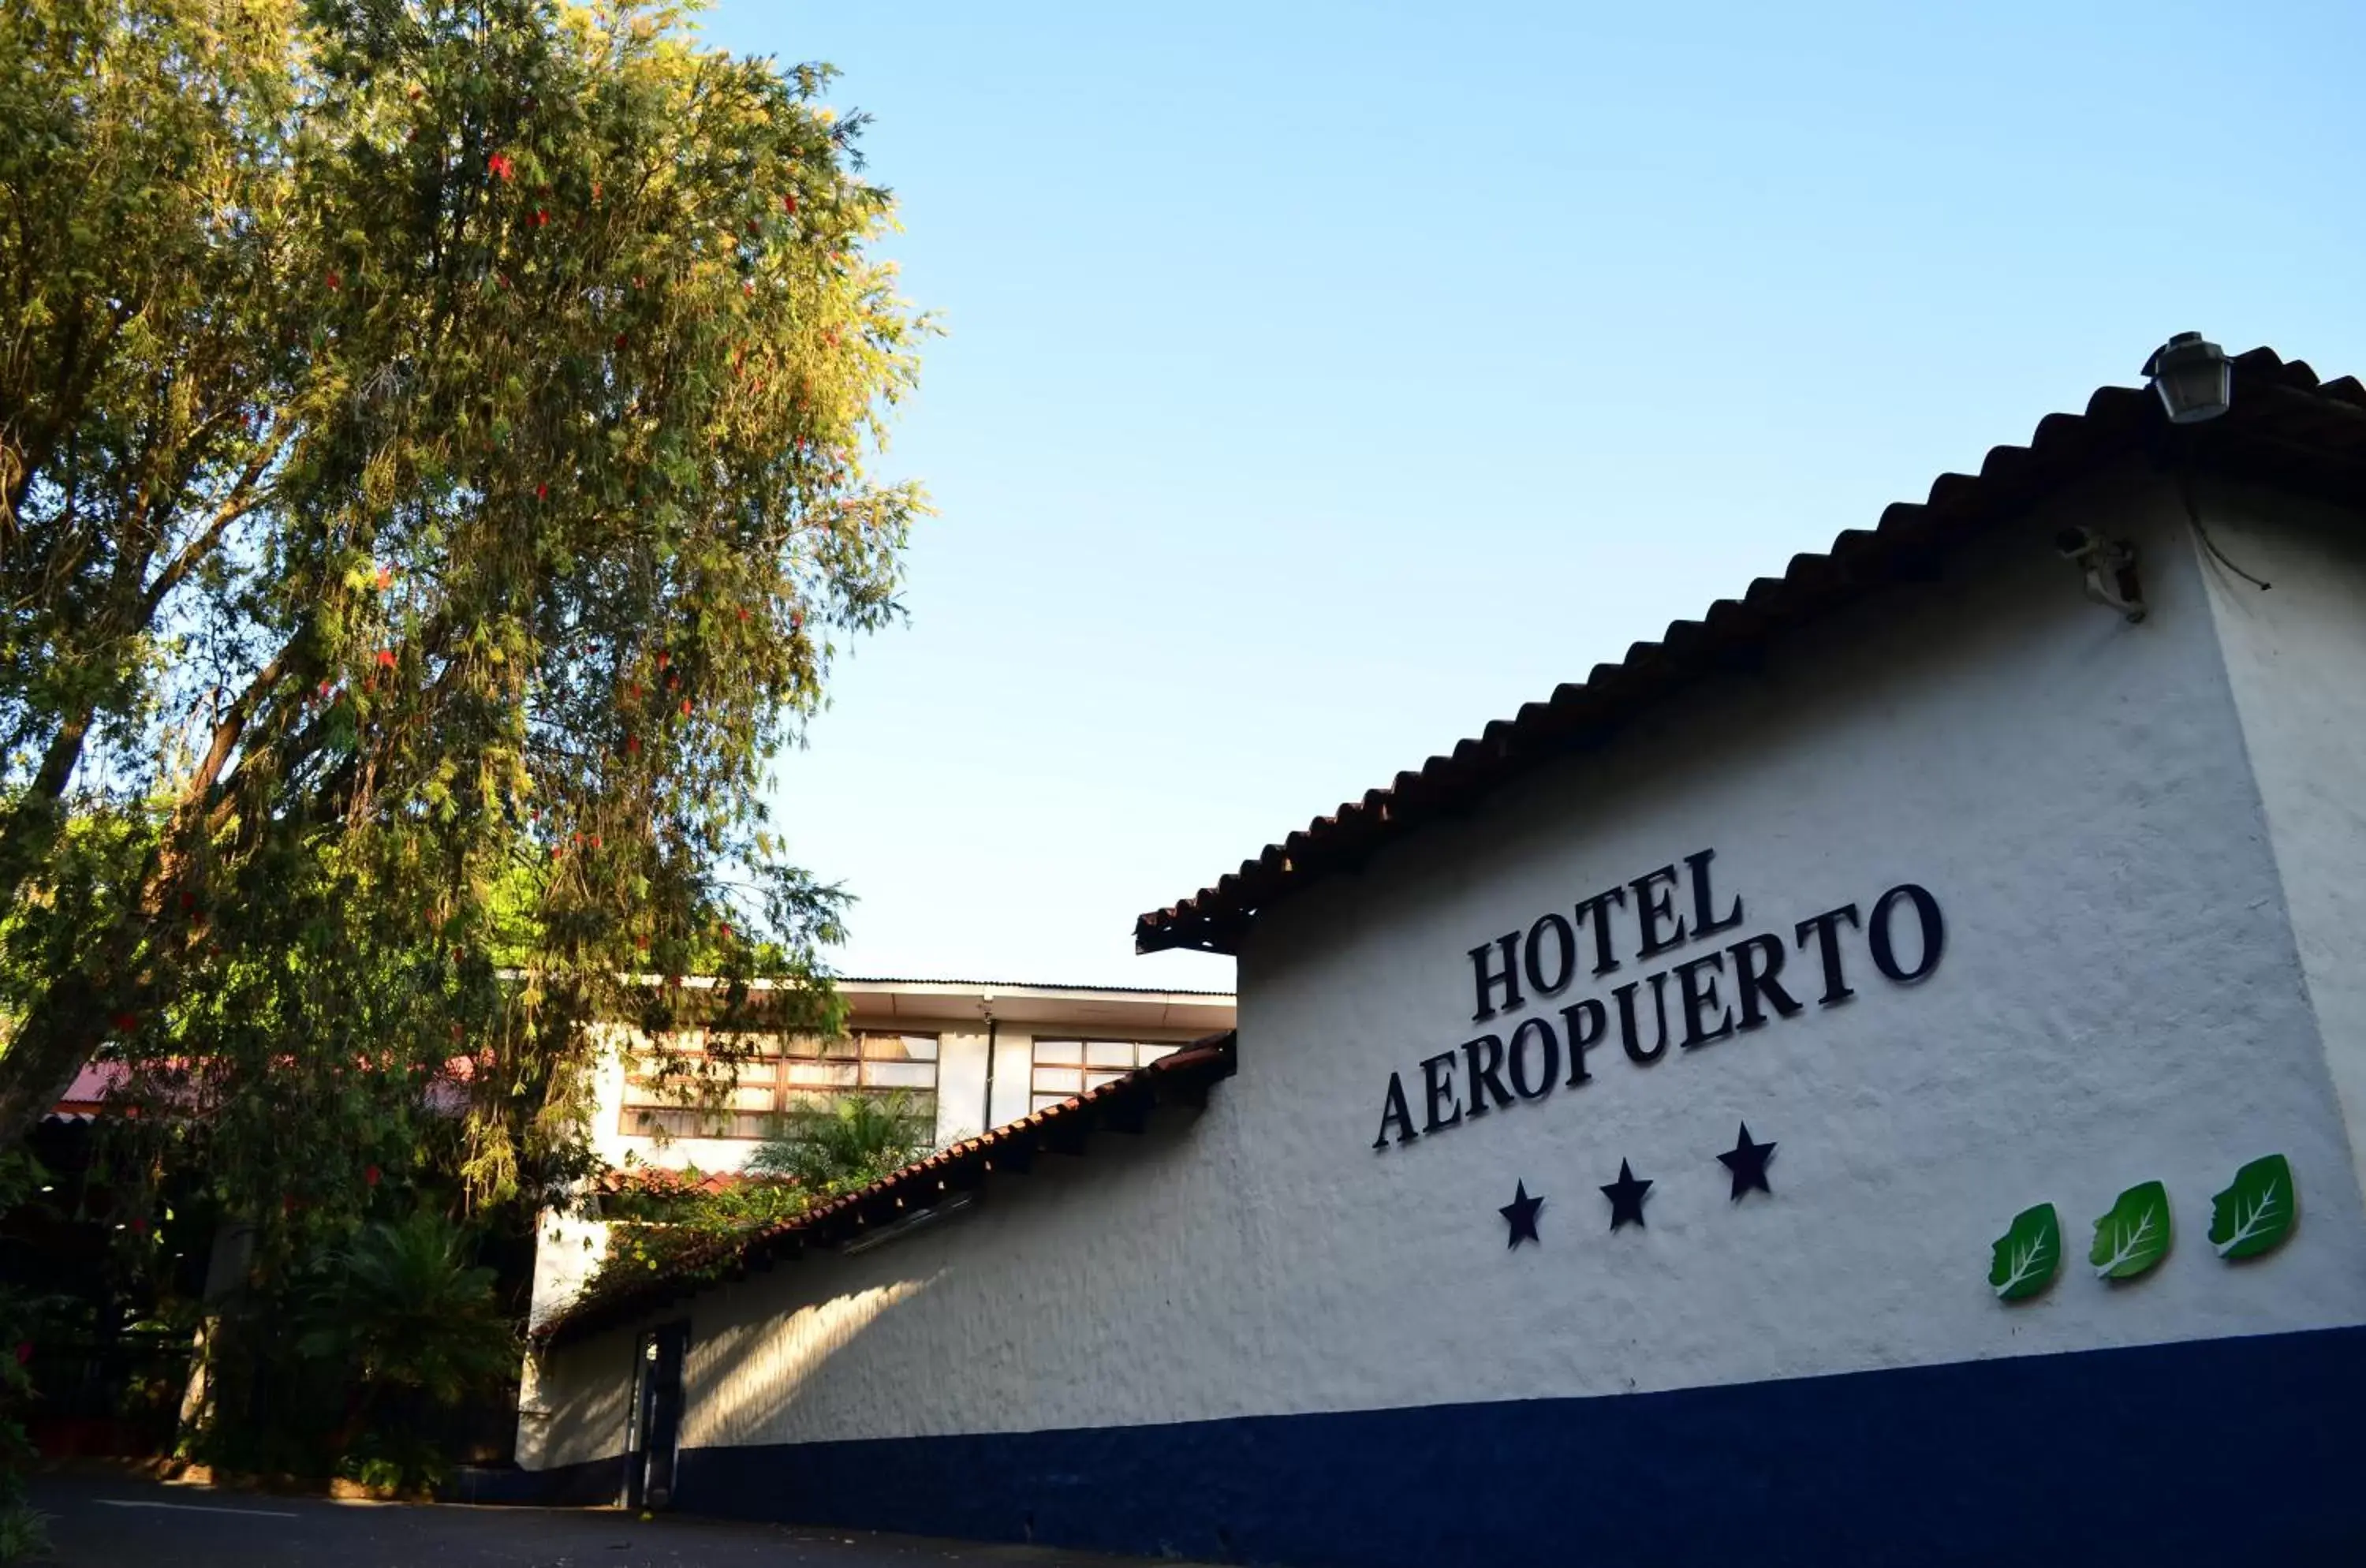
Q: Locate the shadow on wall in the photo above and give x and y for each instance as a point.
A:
(1043, 1306)
(573, 1405)
(750, 1362)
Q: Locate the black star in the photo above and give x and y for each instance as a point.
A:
(1626, 1196)
(1748, 1162)
(1522, 1214)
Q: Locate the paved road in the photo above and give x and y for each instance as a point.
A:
(104, 1523)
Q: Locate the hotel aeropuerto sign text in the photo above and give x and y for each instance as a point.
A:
(1612, 939)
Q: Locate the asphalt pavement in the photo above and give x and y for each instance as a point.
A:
(101, 1522)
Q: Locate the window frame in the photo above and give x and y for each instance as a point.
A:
(1090, 1075)
(761, 1069)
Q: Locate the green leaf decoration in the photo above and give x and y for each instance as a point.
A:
(2135, 1236)
(2257, 1212)
(2027, 1255)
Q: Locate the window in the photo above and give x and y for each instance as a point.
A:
(1064, 1067)
(776, 1078)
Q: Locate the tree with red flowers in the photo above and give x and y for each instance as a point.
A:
(432, 491)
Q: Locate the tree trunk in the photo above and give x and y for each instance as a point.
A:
(34, 824)
(51, 1043)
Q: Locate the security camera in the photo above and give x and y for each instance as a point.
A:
(2107, 568)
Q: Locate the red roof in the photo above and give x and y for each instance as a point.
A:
(2285, 426)
(87, 1096)
(1122, 1105)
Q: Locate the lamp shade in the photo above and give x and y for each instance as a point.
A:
(2194, 378)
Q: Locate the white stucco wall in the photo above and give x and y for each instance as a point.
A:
(566, 1252)
(2297, 659)
(2120, 1001)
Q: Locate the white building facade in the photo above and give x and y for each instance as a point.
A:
(1876, 1076)
(963, 1055)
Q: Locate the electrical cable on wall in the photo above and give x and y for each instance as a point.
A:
(2194, 515)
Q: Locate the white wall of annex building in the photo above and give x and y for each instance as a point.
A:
(2119, 1000)
(2297, 658)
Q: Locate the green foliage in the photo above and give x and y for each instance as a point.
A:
(401, 1306)
(858, 1140)
(433, 485)
(685, 1226)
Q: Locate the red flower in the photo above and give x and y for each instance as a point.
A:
(24, 1352)
(620, 339)
(541, 217)
(725, 927)
(664, 658)
(384, 578)
(685, 707)
(385, 659)
(138, 1224)
(369, 1174)
(541, 493)
(335, 282)
(500, 165)
(125, 1022)
(632, 745)
(788, 204)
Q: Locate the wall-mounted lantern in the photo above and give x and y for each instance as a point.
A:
(2194, 378)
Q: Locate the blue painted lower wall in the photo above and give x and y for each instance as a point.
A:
(2213, 1451)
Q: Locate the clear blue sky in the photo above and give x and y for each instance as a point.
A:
(1325, 379)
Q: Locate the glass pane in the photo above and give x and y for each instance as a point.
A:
(1152, 1053)
(1057, 1052)
(751, 1099)
(802, 1046)
(1064, 1080)
(738, 1047)
(900, 1075)
(813, 1073)
(753, 1072)
(1109, 1053)
(1095, 1080)
(846, 1048)
(900, 1048)
(746, 1126)
(1044, 1102)
(805, 1101)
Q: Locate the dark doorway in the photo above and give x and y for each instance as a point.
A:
(656, 1416)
